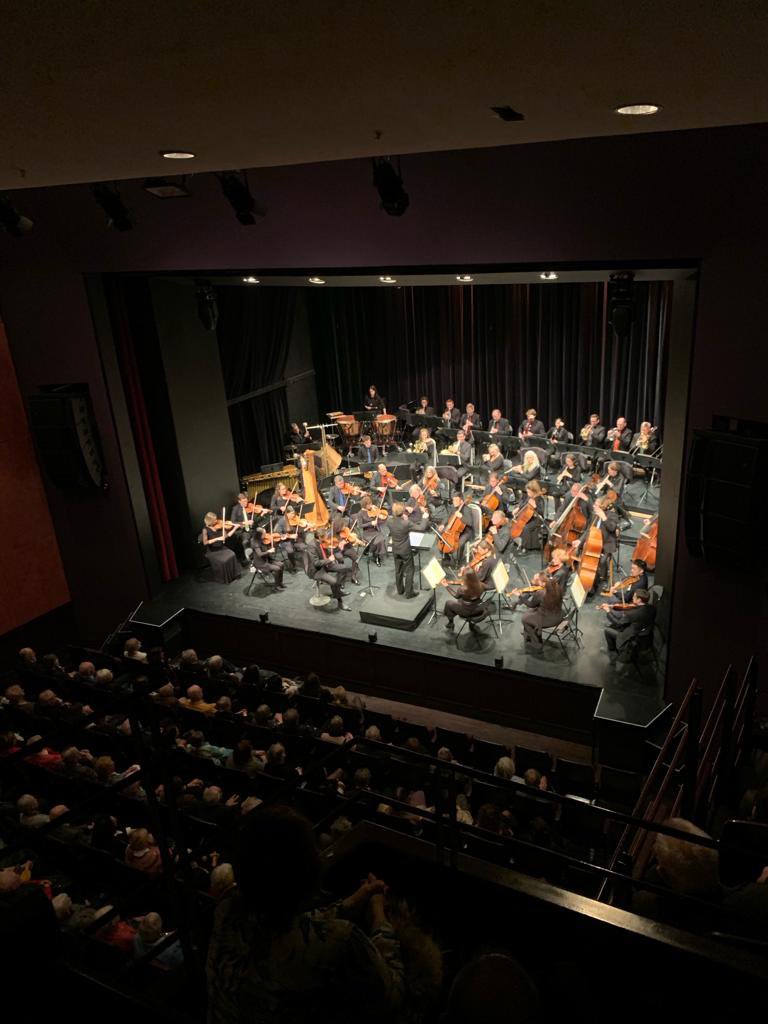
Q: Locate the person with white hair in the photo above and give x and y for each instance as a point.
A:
(30, 815)
(133, 651)
(150, 934)
(194, 701)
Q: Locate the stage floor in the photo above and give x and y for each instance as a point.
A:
(588, 666)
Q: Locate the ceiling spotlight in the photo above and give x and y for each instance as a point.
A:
(238, 195)
(118, 215)
(164, 189)
(389, 184)
(177, 154)
(638, 109)
(465, 278)
(251, 280)
(548, 275)
(388, 280)
(316, 280)
(15, 223)
(508, 113)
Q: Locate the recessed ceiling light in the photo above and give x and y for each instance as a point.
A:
(464, 278)
(177, 154)
(251, 280)
(387, 279)
(548, 275)
(316, 280)
(638, 109)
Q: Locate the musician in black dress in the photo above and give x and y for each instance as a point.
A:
(399, 531)
(569, 475)
(498, 424)
(546, 610)
(371, 528)
(263, 551)
(625, 590)
(373, 402)
(485, 567)
(282, 500)
(626, 624)
(220, 558)
(494, 460)
(451, 416)
(526, 471)
(558, 433)
(467, 601)
(435, 491)
(329, 566)
(424, 409)
(600, 514)
(367, 452)
(614, 480)
(531, 425)
(530, 538)
(558, 571)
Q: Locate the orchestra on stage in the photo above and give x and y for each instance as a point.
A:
(362, 487)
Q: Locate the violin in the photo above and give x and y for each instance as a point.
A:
(377, 513)
(623, 607)
(351, 489)
(254, 510)
(350, 537)
(478, 559)
(219, 525)
(621, 585)
(295, 520)
(270, 539)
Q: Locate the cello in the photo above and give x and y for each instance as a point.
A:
(645, 548)
(451, 533)
(520, 519)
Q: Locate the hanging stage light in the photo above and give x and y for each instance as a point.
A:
(238, 195)
(388, 183)
(118, 215)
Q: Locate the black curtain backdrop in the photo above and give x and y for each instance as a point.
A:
(507, 346)
(254, 331)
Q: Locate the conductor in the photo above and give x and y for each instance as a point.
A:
(399, 530)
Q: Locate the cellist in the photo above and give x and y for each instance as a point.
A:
(602, 516)
(455, 530)
(530, 537)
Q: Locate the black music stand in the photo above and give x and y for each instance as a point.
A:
(652, 463)
(421, 542)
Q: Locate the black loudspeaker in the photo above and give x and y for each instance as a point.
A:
(66, 437)
(621, 302)
(725, 493)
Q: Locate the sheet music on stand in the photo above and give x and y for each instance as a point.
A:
(433, 574)
(500, 578)
(578, 593)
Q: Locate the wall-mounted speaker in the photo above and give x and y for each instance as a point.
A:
(66, 437)
(725, 494)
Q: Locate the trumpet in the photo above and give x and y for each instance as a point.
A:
(418, 446)
(452, 449)
(586, 432)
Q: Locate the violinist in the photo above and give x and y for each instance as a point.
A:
(220, 558)
(373, 402)
(558, 570)
(325, 565)
(367, 525)
(435, 491)
(382, 480)
(499, 425)
(593, 434)
(623, 591)
(451, 416)
(367, 451)
(626, 623)
(243, 522)
(346, 545)
(340, 494)
(645, 441)
(282, 500)
(531, 425)
(558, 434)
(546, 610)
(484, 560)
(263, 550)
(295, 544)
(470, 420)
(467, 600)
(530, 537)
(605, 519)
(493, 459)
(619, 438)
(417, 509)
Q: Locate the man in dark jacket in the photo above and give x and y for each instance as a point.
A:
(399, 531)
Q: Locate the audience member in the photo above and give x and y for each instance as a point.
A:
(194, 701)
(30, 815)
(133, 651)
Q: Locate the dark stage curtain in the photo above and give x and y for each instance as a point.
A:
(254, 332)
(505, 346)
(132, 318)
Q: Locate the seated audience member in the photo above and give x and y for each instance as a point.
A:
(16, 700)
(30, 815)
(190, 664)
(505, 769)
(264, 717)
(335, 731)
(266, 952)
(198, 746)
(86, 672)
(293, 726)
(143, 853)
(373, 733)
(133, 651)
(194, 701)
(222, 880)
(76, 765)
(150, 934)
(277, 763)
(312, 688)
(75, 917)
(244, 759)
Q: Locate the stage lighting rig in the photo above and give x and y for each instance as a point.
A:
(238, 195)
(118, 215)
(388, 183)
(15, 223)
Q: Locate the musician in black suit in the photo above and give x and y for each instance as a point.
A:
(417, 509)
(530, 538)
(619, 438)
(645, 441)
(263, 558)
(399, 530)
(593, 434)
(637, 580)
(558, 571)
(299, 435)
(451, 416)
(624, 625)
(497, 424)
(239, 517)
(370, 528)
(373, 402)
(494, 486)
(603, 516)
(488, 564)
(499, 530)
(338, 498)
(559, 433)
(531, 425)
(367, 452)
(470, 419)
(328, 566)
(614, 480)
(464, 451)
(494, 460)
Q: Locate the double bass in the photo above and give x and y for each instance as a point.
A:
(646, 544)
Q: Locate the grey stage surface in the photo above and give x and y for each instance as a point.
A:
(588, 666)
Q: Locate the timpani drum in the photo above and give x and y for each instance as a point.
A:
(385, 427)
(349, 427)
